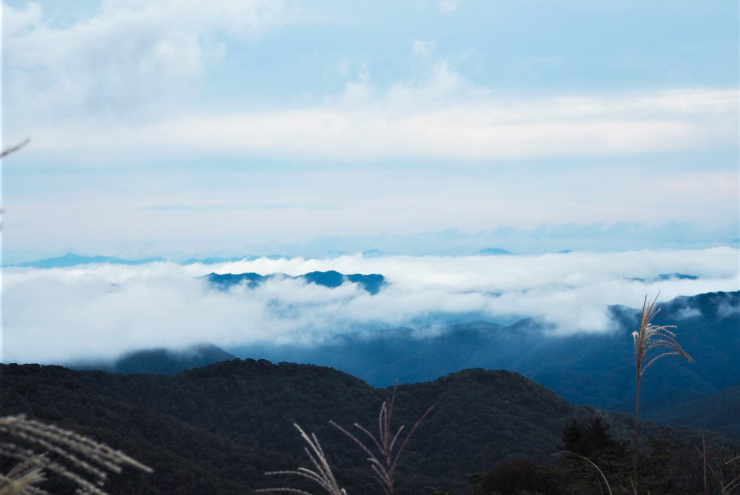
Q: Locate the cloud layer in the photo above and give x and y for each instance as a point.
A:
(125, 77)
(101, 311)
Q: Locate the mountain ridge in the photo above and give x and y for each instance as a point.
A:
(371, 283)
(481, 418)
(585, 369)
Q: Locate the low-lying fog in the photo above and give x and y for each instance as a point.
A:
(101, 311)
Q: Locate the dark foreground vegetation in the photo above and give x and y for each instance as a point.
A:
(594, 462)
(219, 428)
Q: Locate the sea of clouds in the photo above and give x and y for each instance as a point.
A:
(100, 311)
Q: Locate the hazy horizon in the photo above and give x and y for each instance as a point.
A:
(268, 126)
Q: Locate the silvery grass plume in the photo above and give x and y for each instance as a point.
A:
(322, 474)
(384, 464)
(647, 338)
(586, 459)
(13, 149)
(41, 448)
(726, 488)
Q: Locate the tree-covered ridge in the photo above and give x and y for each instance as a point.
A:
(595, 369)
(224, 424)
(161, 361)
(371, 283)
(588, 369)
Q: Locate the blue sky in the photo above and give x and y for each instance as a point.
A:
(182, 128)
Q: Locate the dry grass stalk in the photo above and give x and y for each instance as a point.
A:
(24, 475)
(322, 474)
(647, 338)
(384, 464)
(13, 149)
(584, 458)
(8, 151)
(735, 483)
(42, 448)
(704, 463)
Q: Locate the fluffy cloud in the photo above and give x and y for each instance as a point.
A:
(130, 54)
(423, 48)
(107, 83)
(447, 6)
(101, 311)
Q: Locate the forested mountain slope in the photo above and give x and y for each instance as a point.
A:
(585, 368)
(224, 424)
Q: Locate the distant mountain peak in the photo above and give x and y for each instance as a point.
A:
(663, 277)
(332, 279)
(71, 259)
(163, 361)
(493, 251)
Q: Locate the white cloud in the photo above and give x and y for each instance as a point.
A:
(54, 315)
(106, 86)
(726, 310)
(442, 117)
(423, 48)
(128, 56)
(688, 313)
(447, 6)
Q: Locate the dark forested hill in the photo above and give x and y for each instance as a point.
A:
(186, 459)
(222, 425)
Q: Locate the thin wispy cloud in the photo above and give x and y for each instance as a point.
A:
(423, 48)
(439, 118)
(448, 6)
(104, 310)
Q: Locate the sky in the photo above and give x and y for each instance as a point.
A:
(179, 128)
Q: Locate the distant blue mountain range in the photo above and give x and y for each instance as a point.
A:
(585, 368)
(664, 277)
(74, 259)
(332, 279)
(71, 259)
(494, 251)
